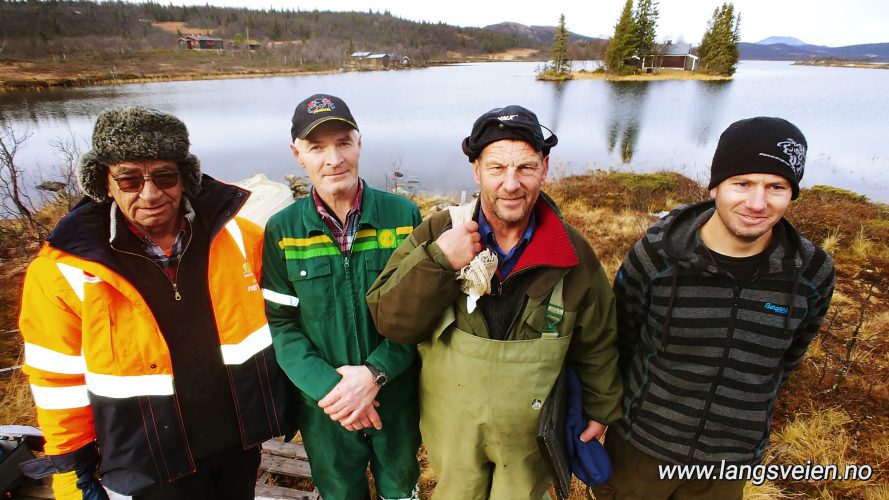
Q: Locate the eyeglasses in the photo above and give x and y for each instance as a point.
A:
(135, 183)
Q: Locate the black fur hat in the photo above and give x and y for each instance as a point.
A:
(136, 133)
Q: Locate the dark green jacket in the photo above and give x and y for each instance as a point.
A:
(315, 297)
(409, 297)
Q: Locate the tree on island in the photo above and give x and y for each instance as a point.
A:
(719, 46)
(559, 67)
(623, 44)
(645, 21)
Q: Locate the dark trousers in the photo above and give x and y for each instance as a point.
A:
(226, 475)
(635, 477)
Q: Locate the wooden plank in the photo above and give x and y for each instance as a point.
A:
(287, 466)
(32, 489)
(289, 450)
(268, 492)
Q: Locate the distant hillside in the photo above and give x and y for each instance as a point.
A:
(876, 52)
(32, 29)
(582, 47)
(541, 34)
(786, 40)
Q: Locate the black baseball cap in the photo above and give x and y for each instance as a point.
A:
(510, 122)
(317, 109)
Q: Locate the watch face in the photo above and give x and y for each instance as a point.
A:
(381, 379)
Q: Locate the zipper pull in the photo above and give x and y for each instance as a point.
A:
(346, 262)
(176, 291)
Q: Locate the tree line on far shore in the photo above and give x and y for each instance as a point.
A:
(634, 44)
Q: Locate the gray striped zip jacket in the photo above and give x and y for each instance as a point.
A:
(702, 357)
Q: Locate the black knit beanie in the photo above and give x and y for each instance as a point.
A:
(761, 145)
(136, 134)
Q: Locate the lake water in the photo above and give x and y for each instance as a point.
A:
(413, 121)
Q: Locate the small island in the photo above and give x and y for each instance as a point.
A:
(659, 75)
(632, 54)
(843, 63)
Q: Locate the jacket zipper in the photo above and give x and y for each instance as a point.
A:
(728, 346)
(518, 313)
(174, 284)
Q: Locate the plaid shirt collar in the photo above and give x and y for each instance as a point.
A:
(169, 263)
(344, 233)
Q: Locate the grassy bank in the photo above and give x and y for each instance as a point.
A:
(181, 64)
(661, 74)
(833, 410)
(148, 66)
(842, 63)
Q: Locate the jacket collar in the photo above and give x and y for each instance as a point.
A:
(550, 244)
(682, 243)
(369, 211)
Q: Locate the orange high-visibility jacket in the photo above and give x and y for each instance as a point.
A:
(97, 360)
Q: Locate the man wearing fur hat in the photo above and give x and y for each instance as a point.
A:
(146, 342)
(492, 348)
(716, 306)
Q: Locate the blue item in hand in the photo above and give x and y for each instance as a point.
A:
(589, 461)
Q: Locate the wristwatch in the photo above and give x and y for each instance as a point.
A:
(380, 377)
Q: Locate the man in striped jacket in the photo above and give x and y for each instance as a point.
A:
(146, 341)
(716, 306)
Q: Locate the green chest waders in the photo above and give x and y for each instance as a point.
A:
(480, 403)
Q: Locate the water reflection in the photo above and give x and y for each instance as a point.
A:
(707, 109)
(627, 104)
(558, 94)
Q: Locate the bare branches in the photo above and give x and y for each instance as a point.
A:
(14, 200)
(68, 152)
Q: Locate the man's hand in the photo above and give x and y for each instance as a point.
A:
(460, 244)
(594, 430)
(363, 419)
(356, 391)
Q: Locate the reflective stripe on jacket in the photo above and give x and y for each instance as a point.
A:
(99, 367)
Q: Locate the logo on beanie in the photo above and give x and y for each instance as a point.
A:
(322, 105)
(506, 118)
(796, 156)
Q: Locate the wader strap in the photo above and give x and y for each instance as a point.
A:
(554, 312)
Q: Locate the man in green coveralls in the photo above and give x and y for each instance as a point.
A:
(488, 365)
(320, 256)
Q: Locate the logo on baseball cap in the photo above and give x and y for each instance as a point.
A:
(317, 109)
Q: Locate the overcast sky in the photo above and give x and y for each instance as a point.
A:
(819, 22)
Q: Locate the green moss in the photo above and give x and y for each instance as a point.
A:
(644, 182)
(838, 194)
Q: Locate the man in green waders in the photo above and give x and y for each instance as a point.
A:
(489, 363)
(320, 255)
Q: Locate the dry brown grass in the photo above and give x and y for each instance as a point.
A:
(765, 491)
(144, 66)
(820, 437)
